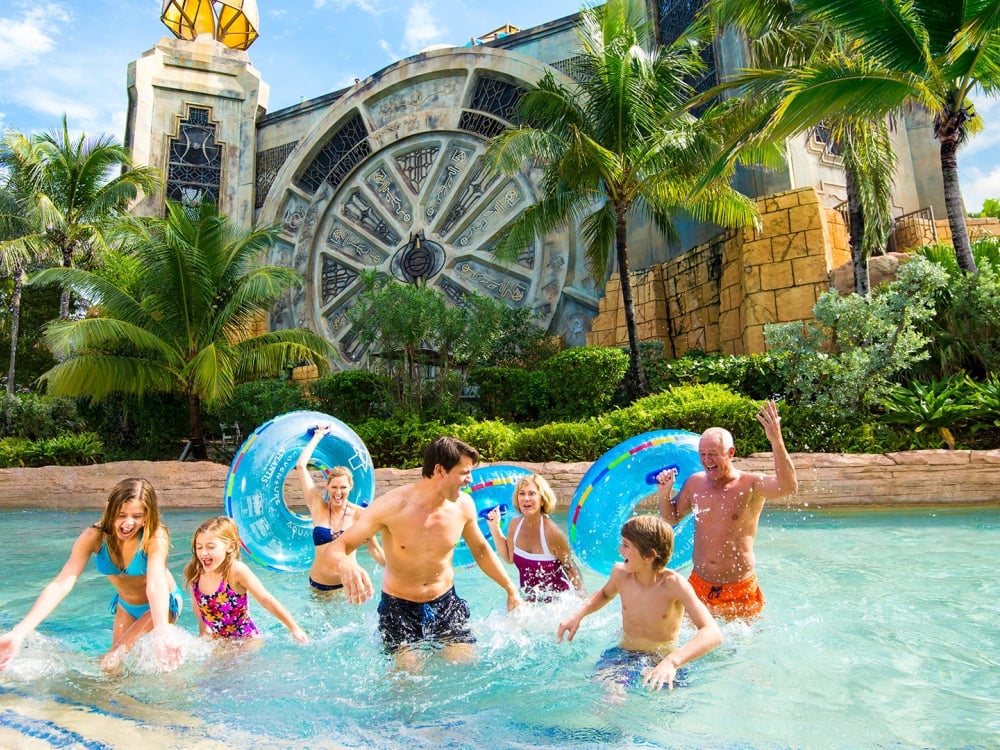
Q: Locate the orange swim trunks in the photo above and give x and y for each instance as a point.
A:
(740, 599)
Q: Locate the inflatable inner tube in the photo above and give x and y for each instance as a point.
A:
(273, 534)
(615, 484)
(491, 487)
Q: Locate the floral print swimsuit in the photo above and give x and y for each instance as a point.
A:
(225, 612)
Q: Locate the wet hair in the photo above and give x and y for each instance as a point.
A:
(720, 433)
(225, 529)
(341, 471)
(124, 492)
(652, 536)
(446, 452)
(544, 491)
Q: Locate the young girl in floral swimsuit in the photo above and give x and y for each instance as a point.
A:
(220, 583)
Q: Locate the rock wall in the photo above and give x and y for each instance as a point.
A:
(913, 478)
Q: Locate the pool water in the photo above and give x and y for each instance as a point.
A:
(880, 632)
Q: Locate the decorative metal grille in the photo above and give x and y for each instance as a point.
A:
(480, 124)
(359, 210)
(479, 183)
(194, 165)
(674, 17)
(496, 97)
(345, 150)
(416, 165)
(571, 66)
(336, 278)
(269, 162)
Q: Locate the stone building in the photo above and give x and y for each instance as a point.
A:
(388, 175)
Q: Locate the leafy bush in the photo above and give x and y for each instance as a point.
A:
(939, 406)
(754, 375)
(511, 393)
(848, 357)
(31, 416)
(559, 441)
(964, 333)
(352, 395)
(12, 451)
(68, 449)
(582, 381)
(399, 442)
(149, 428)
(257, 401)
(493, 439)
(691, 407)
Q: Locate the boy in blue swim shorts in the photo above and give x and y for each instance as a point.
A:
(654, 600)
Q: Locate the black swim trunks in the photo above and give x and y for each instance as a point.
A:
(442, 620)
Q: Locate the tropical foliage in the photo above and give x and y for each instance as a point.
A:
(786, 43)
(180, 315)
(929, 55)
(73, 191)
(618, 145)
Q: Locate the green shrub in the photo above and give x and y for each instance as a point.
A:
(352, 396)
(12, 452)
(692, 407)
(493, 439)
(756, 375)
(31, 416)
(399, 442)
(559, 441)
(849, 355)
(939, 405)
(511, 393)
(149, 428)
(68, 449)
(582, 381)
(257, 401)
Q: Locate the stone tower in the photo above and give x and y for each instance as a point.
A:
(193, 105)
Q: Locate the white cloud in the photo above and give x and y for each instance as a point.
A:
(422, 29)
(978, 185)
(363, 5)
(25, 40)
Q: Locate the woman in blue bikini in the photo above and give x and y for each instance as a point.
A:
(331, 513)
(131, 545)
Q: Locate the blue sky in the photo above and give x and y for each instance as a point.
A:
(71, 57)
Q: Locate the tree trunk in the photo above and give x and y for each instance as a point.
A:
(15, 323)
(856, 221)
(953, 202)
(67, 261)
(198, 449)
(621, 249)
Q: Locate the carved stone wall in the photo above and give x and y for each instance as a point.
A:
(719, 296)
(392, 179)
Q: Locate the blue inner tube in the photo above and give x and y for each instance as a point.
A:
(615, 484)
(272, 534)
(491, 486)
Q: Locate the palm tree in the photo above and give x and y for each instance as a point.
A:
(617, 145)
(785, 43)
(180, 318)
(929, 54)
(19, 244)
(77, 186)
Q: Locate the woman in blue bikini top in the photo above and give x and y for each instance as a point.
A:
(332, 514)
(131, 546)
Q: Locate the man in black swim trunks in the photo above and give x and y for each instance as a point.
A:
(420, 524)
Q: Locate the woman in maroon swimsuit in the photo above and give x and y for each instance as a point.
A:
(535, 544)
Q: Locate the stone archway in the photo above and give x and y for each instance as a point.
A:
(392, 178)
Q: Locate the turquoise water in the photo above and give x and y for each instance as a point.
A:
(880, 632)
